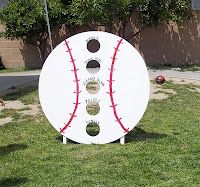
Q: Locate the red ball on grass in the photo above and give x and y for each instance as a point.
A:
(160, 79)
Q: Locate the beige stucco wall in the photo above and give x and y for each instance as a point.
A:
(16, 53)
(164, 45)
(171, 45)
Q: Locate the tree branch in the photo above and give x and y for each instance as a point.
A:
(126, 21)
(133, 34)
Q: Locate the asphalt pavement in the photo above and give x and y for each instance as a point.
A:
(11, 81)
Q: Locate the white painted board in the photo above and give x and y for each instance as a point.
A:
(122, 97)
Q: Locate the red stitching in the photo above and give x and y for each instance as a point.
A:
(111, 89)
(77, 88)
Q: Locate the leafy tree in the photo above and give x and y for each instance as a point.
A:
(103, 12)
(25, 19)
(146, 13)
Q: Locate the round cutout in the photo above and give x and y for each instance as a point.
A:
(93, 46)
(93, 87)
(93, 108)
(93, 129)
(93, 66)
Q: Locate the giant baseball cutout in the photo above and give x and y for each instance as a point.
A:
(113, 96)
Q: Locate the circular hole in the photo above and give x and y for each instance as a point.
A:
(93, 108)
(92, 87)
(93, 46)
(93, 129)
(93, 66)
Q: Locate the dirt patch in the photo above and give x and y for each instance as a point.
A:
(198, 89)
(32, 109)
(194, 89)
(159, 93)
(16, 105)
(3, 121)
(180, 80)
(185, 81)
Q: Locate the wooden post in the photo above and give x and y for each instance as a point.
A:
(64, 140)
(122, 140)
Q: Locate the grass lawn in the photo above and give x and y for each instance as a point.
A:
(163, 150)
(183, 68)
(12, 70)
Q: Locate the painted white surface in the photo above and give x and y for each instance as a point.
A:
(122, 140)
(131, 86)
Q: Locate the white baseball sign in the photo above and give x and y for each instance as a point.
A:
(94, 87)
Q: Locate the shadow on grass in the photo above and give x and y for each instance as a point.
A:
(20, 92)
(5, 150)
(11, 182)
(60, 139)
(138, 134)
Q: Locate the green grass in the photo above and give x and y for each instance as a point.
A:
(12, 70)
(182, 68)
(27, 96)
(191, 68)
(163, 150)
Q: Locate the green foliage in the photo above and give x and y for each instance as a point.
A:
(23, 19)
(101, 11)
(146, 12)
(26, 18)
(155, 12)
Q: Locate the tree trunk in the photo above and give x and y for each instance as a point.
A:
(109, 28)
(42, 48)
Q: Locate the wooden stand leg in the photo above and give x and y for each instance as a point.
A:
(64, 140)
(122, 140)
